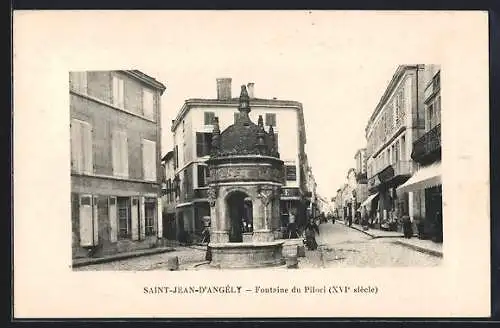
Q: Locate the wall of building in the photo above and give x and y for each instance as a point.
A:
(104, 120)
(93, 105)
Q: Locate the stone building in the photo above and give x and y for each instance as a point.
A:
(192, 134)
(425, 184)
(397, 121)
(115, 158)
(169, 196)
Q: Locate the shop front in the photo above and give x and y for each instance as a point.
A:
(427, 182)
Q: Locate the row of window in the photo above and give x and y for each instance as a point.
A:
(391, 119)
(79, 83)
(82, 152)
(270, 118)
(128, 217)
(395, 153)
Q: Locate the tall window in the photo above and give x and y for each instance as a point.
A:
(150, 212)
(209, 118)
(176, 157)
(430, 116)
(203, 143)
(271, 119)
(81, 147)
(124, 217)
(78, 82)
(202, 175)
(149, 159)
(291, 172)
(120, 154)
(403, 148)
(396, 152)
(236, 117)
(118, 92)
(148, 104)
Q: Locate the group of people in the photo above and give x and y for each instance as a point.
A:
(309, 230)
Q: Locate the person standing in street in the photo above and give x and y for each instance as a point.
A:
(407, 230)
(292, 227)
(310, 233)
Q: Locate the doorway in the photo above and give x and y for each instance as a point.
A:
(239, 211)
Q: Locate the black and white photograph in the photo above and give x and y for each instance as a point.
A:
(179, 163)
(234, 184)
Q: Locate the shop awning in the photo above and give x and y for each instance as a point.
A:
(368, 201)
(425, 177)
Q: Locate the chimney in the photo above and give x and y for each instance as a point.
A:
(224, 88)
(250, 88)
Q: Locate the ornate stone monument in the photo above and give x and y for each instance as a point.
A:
(246, 175)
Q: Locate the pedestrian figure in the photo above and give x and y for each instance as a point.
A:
(407, 230)
(292, 227)
(310, 233)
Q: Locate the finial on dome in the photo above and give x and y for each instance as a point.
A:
(244, 107)
(215, 137)
(260, 122)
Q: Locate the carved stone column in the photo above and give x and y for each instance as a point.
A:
(218, 233)
(265, 195)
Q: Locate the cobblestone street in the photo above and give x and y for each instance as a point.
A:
(339, 246)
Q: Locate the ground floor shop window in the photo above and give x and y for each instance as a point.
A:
(150, 212)
(124, 217)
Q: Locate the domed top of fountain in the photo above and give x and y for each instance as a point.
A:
(244, 137)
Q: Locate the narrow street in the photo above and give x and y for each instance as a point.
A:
(339, 246)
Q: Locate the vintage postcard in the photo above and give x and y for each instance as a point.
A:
(251, 164)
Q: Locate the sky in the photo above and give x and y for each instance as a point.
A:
(337, 76)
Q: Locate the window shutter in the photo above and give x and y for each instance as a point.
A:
(124, 154)
(76, 146)
(86, 131)
(148, 104)
(149, 159)
(116, 153)
(199, 144)
(95, 216)
(209, 118)
(142, 218)
(135, 218)
(86, 221)
(113, 234)
(118, 92)
(159, 217)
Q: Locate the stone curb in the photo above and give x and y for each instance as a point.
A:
(373, 235)
(117, 257)
(419, 248)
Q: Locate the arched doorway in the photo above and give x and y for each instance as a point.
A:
(239, 211)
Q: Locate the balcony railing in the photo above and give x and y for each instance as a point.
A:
(389, 172)
(427, 145)
(402, 168)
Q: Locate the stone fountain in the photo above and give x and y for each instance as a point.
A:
(246, 175)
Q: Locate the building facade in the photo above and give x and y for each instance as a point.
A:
(170, 194)
(192, 133)
(425, 184)
(115, 157)
(397, 121)
(361, 180)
